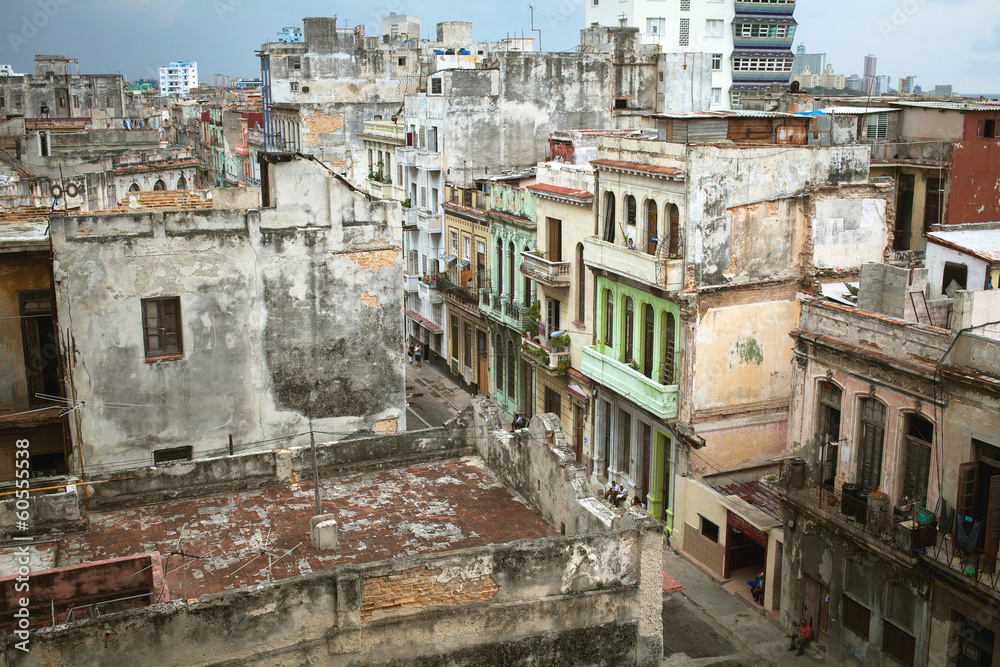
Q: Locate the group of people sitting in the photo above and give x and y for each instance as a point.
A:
(519, 422)
(616, 494)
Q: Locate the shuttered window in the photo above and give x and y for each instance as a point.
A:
(897, 643)
(624, 441)
(162, 327)
(872, 440)
(857, 617)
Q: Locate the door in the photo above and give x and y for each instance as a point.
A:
(555, 239)
(816, 607)
(38, 333)
(933, 203)
(992, 526)
(483, 377)
(647, 447)
(529, 390)
(578, 433)
(904, 212)
(665, 443)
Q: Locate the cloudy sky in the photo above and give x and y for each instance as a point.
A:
(941, 41)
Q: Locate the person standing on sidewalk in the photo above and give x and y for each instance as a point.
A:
(417, 351)
(409, 352)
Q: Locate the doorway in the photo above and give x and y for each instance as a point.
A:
(975, 644)
(816, 607)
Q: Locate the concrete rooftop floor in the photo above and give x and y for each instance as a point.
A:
(381, 514)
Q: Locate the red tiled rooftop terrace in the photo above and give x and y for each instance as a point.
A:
(381, 514)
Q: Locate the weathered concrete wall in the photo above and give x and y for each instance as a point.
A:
(18, 272)
(561, 601)
(52, 512)
(849, 232)
(287, 314)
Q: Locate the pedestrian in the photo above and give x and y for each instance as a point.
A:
(516, 422)
(417, 352)
(409, 351)
(801, 637)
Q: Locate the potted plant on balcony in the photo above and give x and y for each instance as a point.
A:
(562, 367)
(405, 203)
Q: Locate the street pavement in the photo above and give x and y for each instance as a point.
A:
(706, 626)
(432, 397)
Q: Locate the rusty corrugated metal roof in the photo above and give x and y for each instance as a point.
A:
(635, 166)
(562, 192)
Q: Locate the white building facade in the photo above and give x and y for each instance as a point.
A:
(178, 78)
(749, 40)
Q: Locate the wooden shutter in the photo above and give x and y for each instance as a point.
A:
(993, 525)
(967, 480)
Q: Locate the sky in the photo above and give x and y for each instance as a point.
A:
(940, 41)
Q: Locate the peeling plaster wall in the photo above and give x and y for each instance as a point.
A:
(744, 354)
(275, 330)
(849, 233)
(560, 601)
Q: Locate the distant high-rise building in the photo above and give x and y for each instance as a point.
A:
(883, 84)
(816, 62)
(178, 78)
(907, 85)
(870, 73)
(943, 91)
(853, 82)
(750, 41)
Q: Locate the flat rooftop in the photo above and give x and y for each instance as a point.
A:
(381, 514)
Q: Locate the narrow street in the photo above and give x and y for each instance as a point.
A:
(432, 398)
(705, 625)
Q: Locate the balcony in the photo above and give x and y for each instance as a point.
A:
(659, 272)
(879, 525)
(427, 290)
(420, 159)
(409, 217)
(555, 360)
(501, 309)
(410, 282)
(453, 294)
(541, 270)
(659, 399)
(429, 222)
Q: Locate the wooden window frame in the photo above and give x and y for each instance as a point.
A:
(162, 352)
(857, 617)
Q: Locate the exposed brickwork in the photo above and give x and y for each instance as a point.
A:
(375, 260)
(386, 425)
(418, 587)
(319, 123)
(372, 301)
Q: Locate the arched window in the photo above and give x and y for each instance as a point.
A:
(609, 318)
(629, 331)
(651, 231)
(609, 217)
(134, 187)
(674, 231)
(581, 284)
(872, 442)
(630, 220)
(527, 286)
(649, 330)
(159, 185)
(499, 359)
(916, 470)
(667, 348)
(510, 271)
(499, 267)
(510, 369)
(182, 183)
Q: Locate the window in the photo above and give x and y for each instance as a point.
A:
(453, 236)
(294, 86)
(685, 33)
(714, 27)
(919, 440)
(857, 617)
(829, 429)
(172, 454)
(872, 440)
(581, 284)
(76, 102)
(108, 102)
(716, 62)
(954, 277)
(629, 331)
(630, 216)
(877, 126)
(649, 329)
(987, 129)
(436, 86)
(609, 318)
(609, 217)
(897, 643)
(510, 369)
(294, 62)
(498, 346)
(553, 402)
(717, 96)
(709, 529)
(401, 61)
(162, 327)
(655, 26)
(18, 101)
(651, 231)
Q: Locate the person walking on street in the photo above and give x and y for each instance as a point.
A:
(417, 352)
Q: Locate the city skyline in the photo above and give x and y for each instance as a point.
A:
(222, 35)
